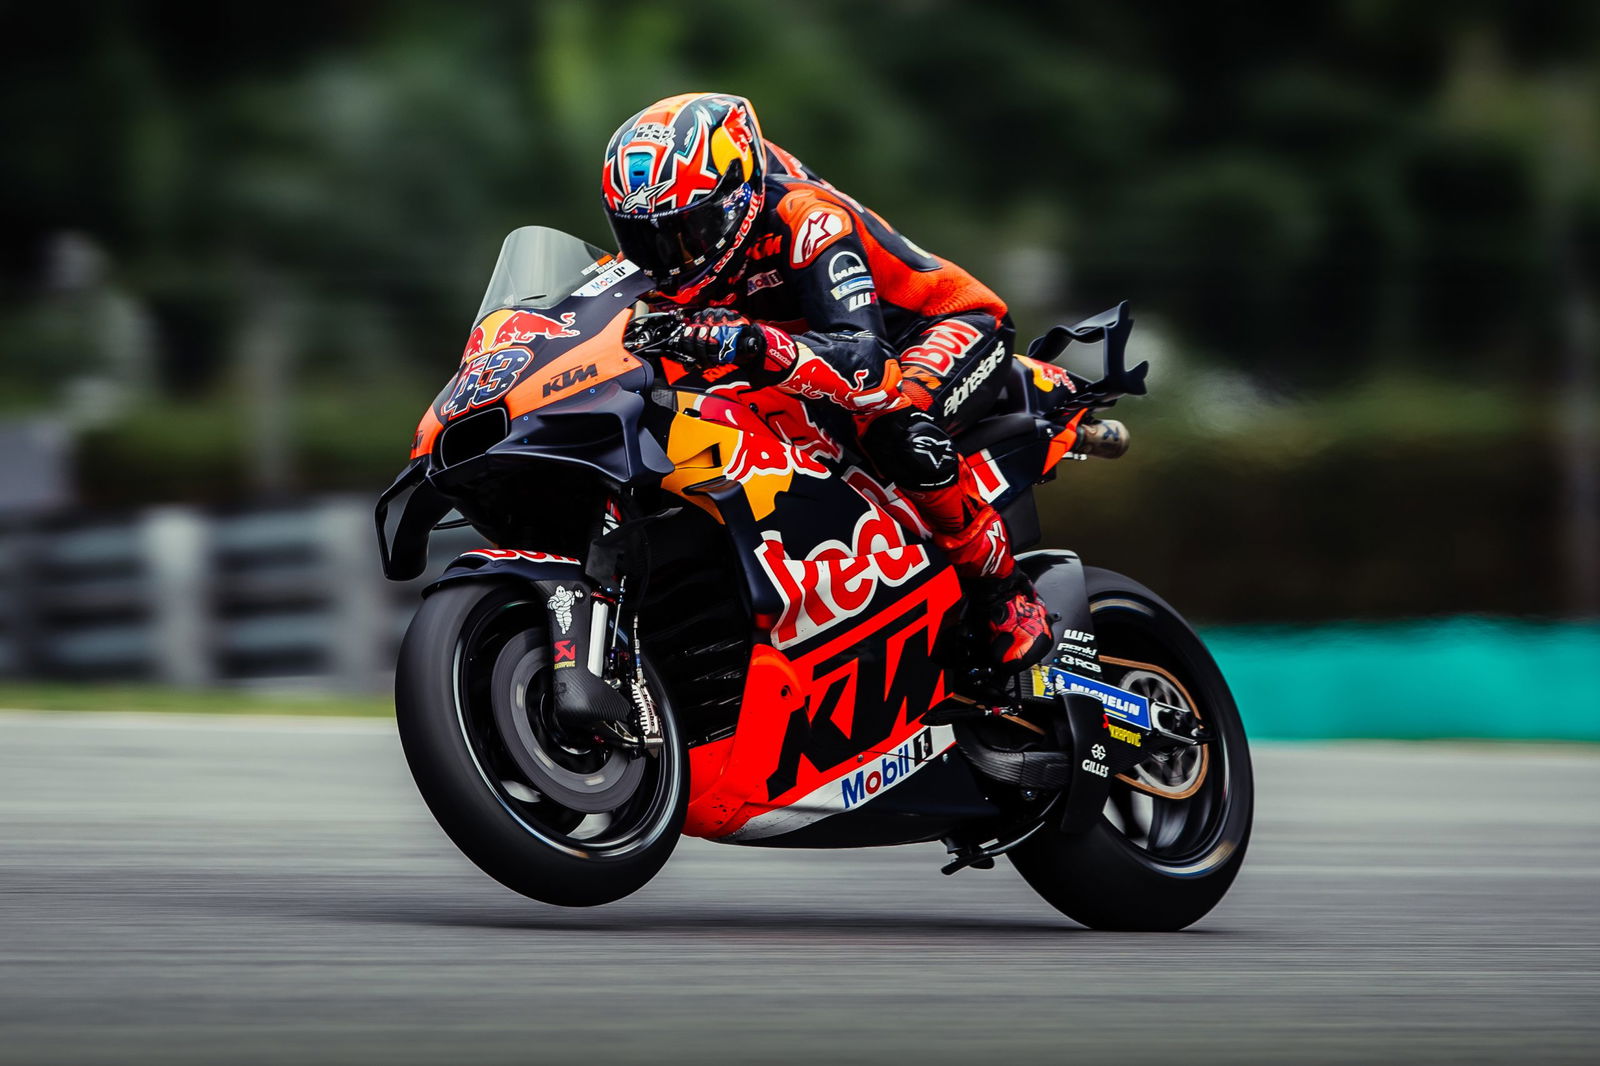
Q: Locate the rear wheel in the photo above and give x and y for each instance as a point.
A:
(1175, 827)
(559, 816)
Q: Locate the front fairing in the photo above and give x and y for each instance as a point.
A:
(545, 379)
(519, 360)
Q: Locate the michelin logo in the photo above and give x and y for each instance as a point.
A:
(1127, 706)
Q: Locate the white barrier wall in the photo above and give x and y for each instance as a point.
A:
(188, 597)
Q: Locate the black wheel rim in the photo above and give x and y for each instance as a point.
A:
(1187, 836)
(502, 644)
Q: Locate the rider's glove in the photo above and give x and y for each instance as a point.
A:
(716, 336)
(711, 336)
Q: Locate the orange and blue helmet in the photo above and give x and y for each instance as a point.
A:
(683, 188)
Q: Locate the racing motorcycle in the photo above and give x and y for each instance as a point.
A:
(704, 613)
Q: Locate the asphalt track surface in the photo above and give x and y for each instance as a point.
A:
(190, 890)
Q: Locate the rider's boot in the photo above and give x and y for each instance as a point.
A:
(974, 538)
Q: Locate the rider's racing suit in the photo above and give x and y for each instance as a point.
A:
(911, 345)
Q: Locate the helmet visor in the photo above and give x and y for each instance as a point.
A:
(677, 247)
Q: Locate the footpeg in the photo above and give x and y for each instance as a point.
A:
(1103, 439)
(954, 709)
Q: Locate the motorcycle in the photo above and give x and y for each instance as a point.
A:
(704, 613)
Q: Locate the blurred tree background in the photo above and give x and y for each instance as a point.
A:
(241, 246)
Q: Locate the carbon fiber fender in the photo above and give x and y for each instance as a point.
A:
(530, 566)
(580, 629)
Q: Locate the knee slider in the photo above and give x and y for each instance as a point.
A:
(911, 450)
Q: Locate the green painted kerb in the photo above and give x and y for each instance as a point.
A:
(1461, 677)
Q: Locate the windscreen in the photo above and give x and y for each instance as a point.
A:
(538, 268)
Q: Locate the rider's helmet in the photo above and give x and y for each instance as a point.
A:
(683, 187)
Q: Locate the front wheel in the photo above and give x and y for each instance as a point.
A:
(1175, 827)
(564, 818)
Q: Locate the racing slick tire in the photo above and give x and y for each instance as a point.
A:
(1174, 831)
(542, 834)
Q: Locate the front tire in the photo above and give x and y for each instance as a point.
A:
(1174, 832)
(549, 834)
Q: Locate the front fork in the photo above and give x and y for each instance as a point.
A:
(598, 681)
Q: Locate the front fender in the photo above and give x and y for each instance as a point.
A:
(521, 563)
(581, 625)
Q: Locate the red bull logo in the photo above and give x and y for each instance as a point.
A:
(524, 326)
(764, 445)
(942, 345)
(815, 379)
(518, 327)
(836, 581)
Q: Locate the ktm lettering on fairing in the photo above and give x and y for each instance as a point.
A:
(568, 378)
(836, 581)
(865, 692)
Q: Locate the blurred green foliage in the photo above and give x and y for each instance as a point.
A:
(1353, 226)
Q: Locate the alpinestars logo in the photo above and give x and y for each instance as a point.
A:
(937, 450)
(816, 233)
(560, 604)
(643, 198)
(998, 549)
(963, 389)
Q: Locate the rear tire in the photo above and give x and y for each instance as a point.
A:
(1120, 874)
(462, 766)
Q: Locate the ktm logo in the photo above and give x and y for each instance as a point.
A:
(568, 378)
(887, 676)
(767, 246)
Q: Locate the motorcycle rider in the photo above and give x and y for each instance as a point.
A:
(804, 288)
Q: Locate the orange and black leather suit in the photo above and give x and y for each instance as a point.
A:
(911, 344)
